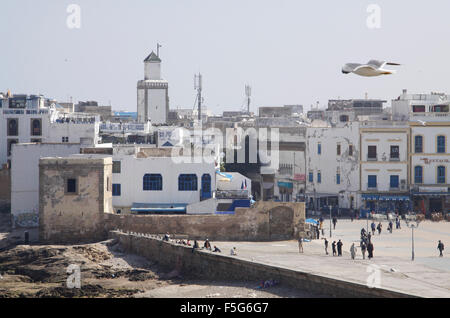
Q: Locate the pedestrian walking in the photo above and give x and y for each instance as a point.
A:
(363, 249)
(353, 251)
(334, 223)
(300, 244)
(379, 227)
(373, 227)
(339, 248)
(333, 248)
(440, 248)
(326, 246)
(370, 250)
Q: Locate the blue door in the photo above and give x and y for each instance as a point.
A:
(206, 187)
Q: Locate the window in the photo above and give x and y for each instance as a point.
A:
(116, 189)
(394, 182)
(441, 144)
(36, 127)
(441, 174)
(319, 177)
(71, 186)
(350, 150)
(418, 144)
(372, 152)
(206, 183)
(116, 167)
(311, 177)
(338, 178)
(343, 118)
(338, 149)
(319, 148)
(372, 181)
(13, 127)
(418, 108)
(395, 153)
(65, 139)
(152, 182)
(418, 174)
(187, 182)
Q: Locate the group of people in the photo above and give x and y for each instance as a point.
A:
(207, 246)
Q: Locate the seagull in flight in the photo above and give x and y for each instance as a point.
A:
(372, 68)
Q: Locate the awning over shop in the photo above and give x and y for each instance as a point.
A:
(159, 208)
(385, 197)
(285, 184)
(431, 194)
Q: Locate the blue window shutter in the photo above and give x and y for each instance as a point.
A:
(418, 174)
(372, 181)
(116, 189)
(394, 182)
(338, 178)
(441, 144)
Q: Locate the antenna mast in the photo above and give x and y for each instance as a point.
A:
(248, 93)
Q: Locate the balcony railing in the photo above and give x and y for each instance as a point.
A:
(232, 194)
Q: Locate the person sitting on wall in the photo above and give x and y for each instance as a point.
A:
(207, 245)
(216, 249)
(166, 237)
(195, 246)
(233, 251)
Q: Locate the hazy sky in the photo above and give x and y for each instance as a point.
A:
(290, 52)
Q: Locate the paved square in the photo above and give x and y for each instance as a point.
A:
(427, 276)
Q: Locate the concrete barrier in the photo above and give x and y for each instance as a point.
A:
(205, 264)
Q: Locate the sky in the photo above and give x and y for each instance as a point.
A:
(288, 51)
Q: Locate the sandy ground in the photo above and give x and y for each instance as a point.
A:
(41, 271)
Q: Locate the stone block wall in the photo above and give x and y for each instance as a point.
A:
(208, 265)
(74, 217)
(266, 221)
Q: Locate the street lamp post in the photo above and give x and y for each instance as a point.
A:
(412, 225)
(330, 221)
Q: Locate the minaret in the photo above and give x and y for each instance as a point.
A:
(152, 93)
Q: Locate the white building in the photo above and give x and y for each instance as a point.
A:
(25, 119)
(25, 177)
(414, 106)
(384, 174)
(151, 180)
(332, 165)
(152, 93)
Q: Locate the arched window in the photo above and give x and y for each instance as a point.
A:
(13, 127)
(418, 144)
(441, 174)
(36, 127)
(440, 144)
(187, 182)
(152, 182)
(418, 174)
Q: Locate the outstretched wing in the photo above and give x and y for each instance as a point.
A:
(376, 63)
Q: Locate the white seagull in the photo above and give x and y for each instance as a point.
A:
(372, 68)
